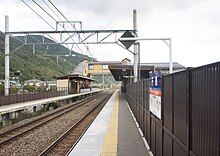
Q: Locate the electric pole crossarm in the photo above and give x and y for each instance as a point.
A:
(69, 37)
(16, 49)
(143, 39)
(105, 37)
(90, 35)
(69, 31)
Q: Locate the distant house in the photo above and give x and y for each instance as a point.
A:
(101, 67)
(51, 84)
(35, 82)
(12, 83)
(104, 67)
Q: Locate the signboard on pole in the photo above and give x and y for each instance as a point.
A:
(155, 93)
(127, 43)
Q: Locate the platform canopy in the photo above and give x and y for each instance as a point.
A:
(120, 71)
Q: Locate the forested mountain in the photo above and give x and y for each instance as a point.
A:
(41, 65)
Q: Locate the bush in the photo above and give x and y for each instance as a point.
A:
(29, 88)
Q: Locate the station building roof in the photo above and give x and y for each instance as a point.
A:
(165, 66)
(76, 77)
(78, 73)
(125, 61)
(80, 69)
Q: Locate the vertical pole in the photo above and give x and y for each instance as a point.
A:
(33, 49)
(7, 83)
(139, 62)
(57, 59)
(135, 46)
(61, 37)
(103, 81)
(80, 25)
(56, 26)
(171, 63)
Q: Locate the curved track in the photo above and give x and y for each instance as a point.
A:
(70, 138)
(34, 137)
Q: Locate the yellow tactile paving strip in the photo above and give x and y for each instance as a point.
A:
(110, 146)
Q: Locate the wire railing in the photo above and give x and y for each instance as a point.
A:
(23, 95)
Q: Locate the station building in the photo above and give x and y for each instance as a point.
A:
(121, 71)
(75, 80)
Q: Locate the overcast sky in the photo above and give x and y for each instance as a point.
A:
(193, 25)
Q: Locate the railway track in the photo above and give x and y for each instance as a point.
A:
(13, 134)
(22, 137)
(70, 138)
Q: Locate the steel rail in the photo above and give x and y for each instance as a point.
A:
(71, 129)
(37, 123)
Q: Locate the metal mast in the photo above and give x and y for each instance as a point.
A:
(7, 76)
(135, 46)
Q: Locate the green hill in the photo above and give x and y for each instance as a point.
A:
(40, 65)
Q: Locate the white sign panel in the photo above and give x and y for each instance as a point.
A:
(155, 105)
(155, 93)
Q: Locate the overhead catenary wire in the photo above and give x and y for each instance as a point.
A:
(51, 16)
(42, 19)
(46, 21)
(13, 51)
(51, 9)
(54, 12)
(44, 10)
(67, 21)
(57, 22)
(38, 15)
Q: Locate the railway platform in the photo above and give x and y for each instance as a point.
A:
(7, 111)
(113, 132)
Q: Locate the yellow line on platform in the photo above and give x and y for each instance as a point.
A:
(110, 146)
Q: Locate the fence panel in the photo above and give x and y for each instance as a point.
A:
(205, 110)
(180, 112)
(23, 97)
(190, 123)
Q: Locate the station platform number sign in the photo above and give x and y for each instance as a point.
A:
(155, 93)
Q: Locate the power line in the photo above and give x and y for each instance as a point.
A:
(44, 10)
(70, 36)
(38, 14)
(54, 12)
(51, 9)
(66, 20)
(46, 13)
(45, 20)
(57, 22)
(42, 19)
(60, 12)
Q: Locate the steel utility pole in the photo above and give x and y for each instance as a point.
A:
(135, 46)
(170, 57)
(7, 76)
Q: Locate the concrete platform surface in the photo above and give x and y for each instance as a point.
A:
(112, 133)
